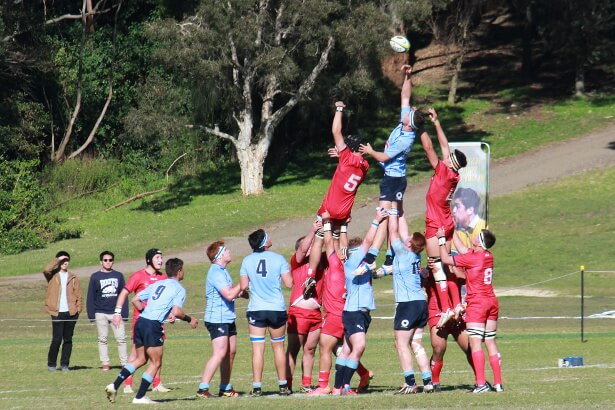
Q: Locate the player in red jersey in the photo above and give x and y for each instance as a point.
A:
(439, 336)
(333, 301)
(482, 304)
(138, 281)
(304, 317)
(438, 213)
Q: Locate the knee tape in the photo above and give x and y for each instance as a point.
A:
(438, 272)
(257, 339)
(490, 334)
(418, 349)
(278, 339)
(476, 333)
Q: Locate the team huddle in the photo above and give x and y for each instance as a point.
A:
(330, 276)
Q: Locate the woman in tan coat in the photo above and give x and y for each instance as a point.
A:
(63, 303)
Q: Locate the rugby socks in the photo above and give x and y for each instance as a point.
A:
(146, 380)
(323, 379)
(409, 377)
(156, 381)
(436, 368)
(478, 358)
(128, 381)
(388, 259)
(442, 291)
(361, 370)
(426, 376)
(205, 386)
(371, 256)
(351, 367)
(496, 365)
(340, 366)
(306, 380)
(125, 375)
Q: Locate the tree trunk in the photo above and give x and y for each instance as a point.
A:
(579, 80)
(528, 28)
(251, 162)
(452, 91)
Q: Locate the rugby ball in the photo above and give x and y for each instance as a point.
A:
(399, 44)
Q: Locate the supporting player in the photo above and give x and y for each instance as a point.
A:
(393, 183)
(220, 321)
(482, 310)
(304, 317)
(410, 301)
(262, 272)
(356, 315)
(438, 213)
(349, 174)
(165, 298)
(138, 281)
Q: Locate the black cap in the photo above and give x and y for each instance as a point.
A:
(149, 255)
(63, 254)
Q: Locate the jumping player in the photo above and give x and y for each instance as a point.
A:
(482, 310)
(138, 281)
(393, 160)
(165, 297)
(410, 301)
(220, 321)
(438, 213)
(261, 272)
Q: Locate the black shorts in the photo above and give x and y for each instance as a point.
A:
(221, 329)
(148, 333)
(410, 315)
(392, 188)
(267, 318)
(356, 322)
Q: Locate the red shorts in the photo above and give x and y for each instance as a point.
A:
(303, 321)
(332, 326)
(431, 229)
(482, 309)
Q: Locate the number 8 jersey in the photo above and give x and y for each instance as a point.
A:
(479, 273)
(264, 270)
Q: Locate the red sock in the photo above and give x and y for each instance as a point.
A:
(436, 368)
(128, 381)
(453, 290)
(306, 380)
(442, 292)
(478, 358)
(156, 381)
(323, 379)
(361, 370)
(496, 367)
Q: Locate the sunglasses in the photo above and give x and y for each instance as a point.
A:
(107, 260)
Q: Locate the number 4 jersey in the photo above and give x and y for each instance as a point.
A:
(349, 174)
(264, 270)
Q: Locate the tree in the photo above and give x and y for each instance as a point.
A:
(263, 58)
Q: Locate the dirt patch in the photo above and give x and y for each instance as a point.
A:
(535, 293)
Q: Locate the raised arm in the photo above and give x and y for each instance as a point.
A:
(406, 88)
(336, 128)
(442, 140)
(377, 155)
(305, 244)
(432, 156)
(444, 255)
(380, 215)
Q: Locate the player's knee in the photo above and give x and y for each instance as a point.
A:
(279, 339)
(257, 339)
(490, 335)
(418, 349)
(475, 333)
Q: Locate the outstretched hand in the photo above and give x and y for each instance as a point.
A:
(366, 149)
(333, 152)
(433, 115)
(340, 104)
(440, 233)
(381, 214)
(407, 69)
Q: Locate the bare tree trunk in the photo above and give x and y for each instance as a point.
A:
(454, 84)
(251, 162)
(579, 80)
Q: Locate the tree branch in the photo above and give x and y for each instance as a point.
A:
(213, 131)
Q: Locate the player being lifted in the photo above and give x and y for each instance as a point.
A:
(438, 213)
(349, 174)
(393, 160)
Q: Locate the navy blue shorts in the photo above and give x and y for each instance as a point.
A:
(267, 318)
(392, 188)
(410, 315)
(221, 329)
(148, 333)
(356, 322)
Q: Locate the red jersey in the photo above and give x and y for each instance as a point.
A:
(334, 290)
(479, 273)
(139, 281)
(299, 271)
(349, 174)
(441, 188)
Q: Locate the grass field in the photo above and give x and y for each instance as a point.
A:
(538, 244)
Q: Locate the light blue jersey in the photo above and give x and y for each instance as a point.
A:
(406, 274)
(398, 147)
(359, 290)
(161, 296)
(218, 309)
(265, 269)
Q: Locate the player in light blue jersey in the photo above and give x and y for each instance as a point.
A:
(262, 272)
(356, 315)
(165, 299)
(411, 302)
(220, 321)
(393, 160)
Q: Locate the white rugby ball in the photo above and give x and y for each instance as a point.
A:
(399, 44)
